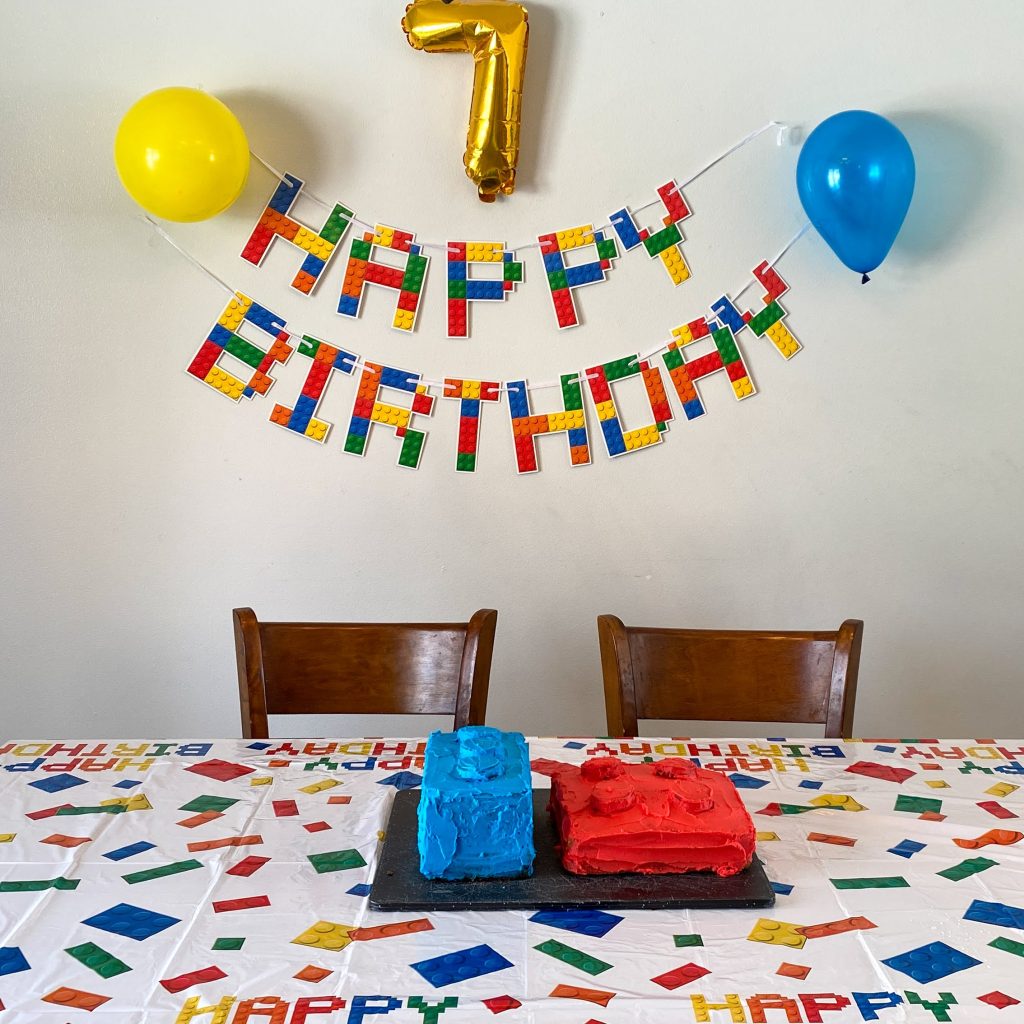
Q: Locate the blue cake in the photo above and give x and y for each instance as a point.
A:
(476, 805)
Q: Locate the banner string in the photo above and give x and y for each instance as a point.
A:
(782, 127)
(358, 364)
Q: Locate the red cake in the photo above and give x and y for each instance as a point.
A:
(660, 818)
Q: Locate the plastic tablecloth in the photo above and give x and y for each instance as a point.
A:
(226, 881)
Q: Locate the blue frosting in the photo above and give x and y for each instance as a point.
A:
(476, 805)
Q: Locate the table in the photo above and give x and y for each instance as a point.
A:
(226, 882)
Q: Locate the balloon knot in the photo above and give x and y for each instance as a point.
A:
(864, 279)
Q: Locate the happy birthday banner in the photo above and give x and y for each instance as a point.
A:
(250, 335)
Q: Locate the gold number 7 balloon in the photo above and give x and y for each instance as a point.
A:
(496, 33)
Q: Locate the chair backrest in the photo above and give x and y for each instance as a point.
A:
(435, 668)
(729, 675)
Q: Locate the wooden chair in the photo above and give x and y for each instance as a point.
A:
(729, 675)
(290, 668)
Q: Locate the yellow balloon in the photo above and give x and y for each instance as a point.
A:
(181, 154)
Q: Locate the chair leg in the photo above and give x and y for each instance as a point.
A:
(249, 659)
(617, 670)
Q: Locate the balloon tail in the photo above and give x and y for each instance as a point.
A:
(864, 279)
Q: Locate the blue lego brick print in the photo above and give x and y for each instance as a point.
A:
(588, 273)
(402, 780)
(398, 379)
(741, 781)
(907, 848)
(457, 270)
(345, 361)
(360, 889)
(464, 965)
(348, 305)
(359, 425)
(728, 314)
(57, 783)
(930, 963)
(475, 816)
(596, 923)
(810, 784)
(302, 414)
(625, 228)
(313, 265)
(553, 262)
(127, 784)
(578, 436)
(12, 960)
(612, 431)
(693, 408)
(285, 193)
(884, 749)
(484, 289)
(264, 319)
(776, 739)
(518, 398)
(414, 250)
(782, 888)
(507, 257)
(470, 407)
(575, 744)
(124, 852)
(248, 392)
(132, 922)
(999, 914)
(258, 745)
(220, 336)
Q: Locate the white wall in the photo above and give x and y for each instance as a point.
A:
(876, 475)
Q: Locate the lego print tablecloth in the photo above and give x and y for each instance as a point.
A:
(225, 882)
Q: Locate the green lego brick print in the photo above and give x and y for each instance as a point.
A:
(465, 461)
(361, 250)
(162, 871)
(795, 809)
(105, 809)
(890, 882)
(355, 443)
(966, 868)
(39, 885)
(687, 940)
(202, 804)
(618, 369)
(918, 804)
(606, 249)
(415, 270)
(456, 289)
(512, 271)
(339, 860)
(572, 392)
(412, 444)
(228, 943)
(771, 314)
(105, 964)
(337, 224)
(662, 240)
(245, 351)
(309, 346)
(574, 957)
(726, 346)
(662, 427)
(1008, 945)
(672, 359)
(556, 280)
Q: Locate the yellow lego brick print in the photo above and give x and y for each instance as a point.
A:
(317, 429)
(936, 784)
(683, 336)
(404, 319)
(674, 263)
(605, 410)
(471, 389)
(233, 316)
(574, 238)
(319, 787)
(383, 235)
(391, 415)
(485, 252)
(780, 337)
(777, 933)
(1002, 789)
(325, 935)
(191, 1009)
(702, 1009)
(261, 780)
(641, 437)
(129, 803)
(838, 802)
(222, 381)
(767, 837)
(743, 387)
(6, 837)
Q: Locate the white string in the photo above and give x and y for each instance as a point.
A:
(195, 263)
(778, 256)
(745, 141)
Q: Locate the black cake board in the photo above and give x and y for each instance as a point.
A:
(398, 884)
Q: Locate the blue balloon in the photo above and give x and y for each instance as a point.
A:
(855, 177)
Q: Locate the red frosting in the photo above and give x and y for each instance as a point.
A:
(660, 818)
